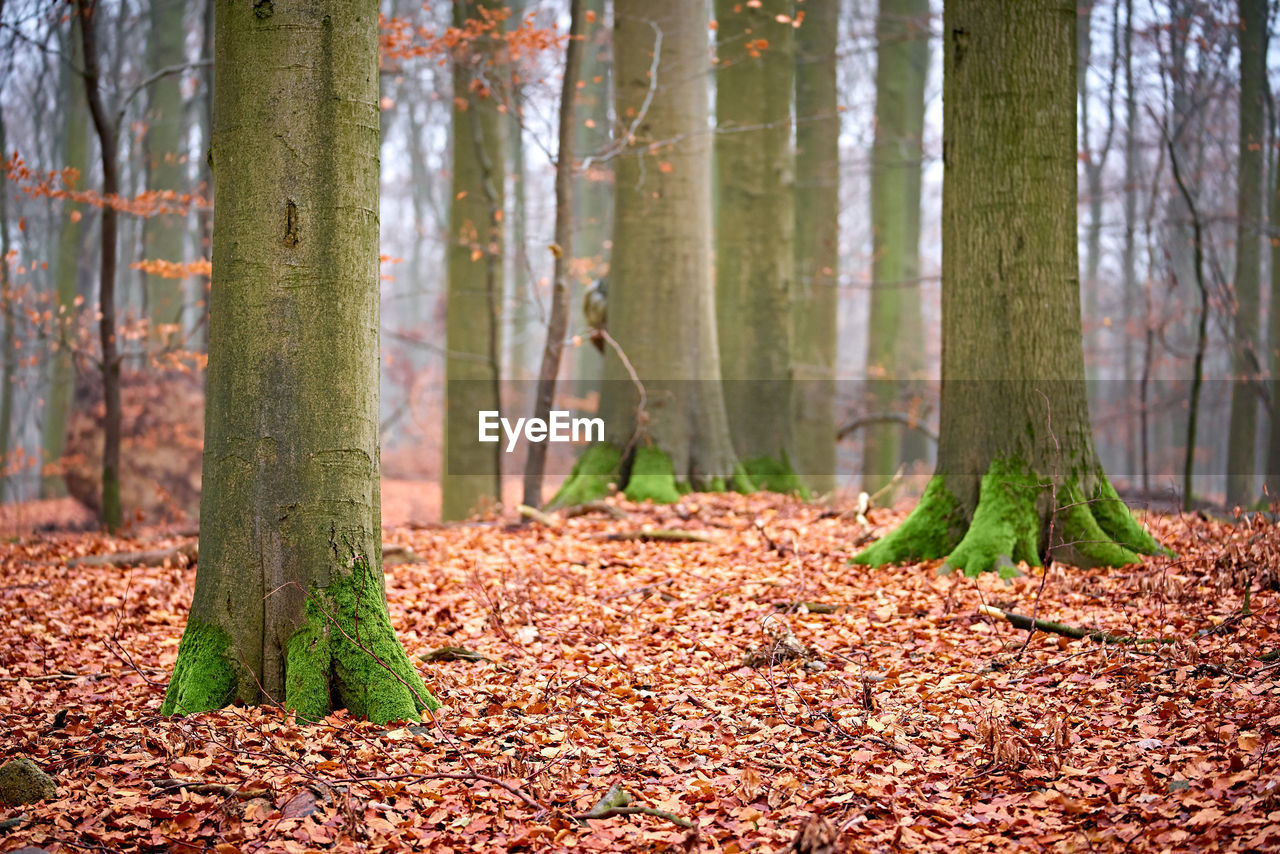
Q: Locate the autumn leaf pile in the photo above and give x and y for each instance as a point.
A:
(880, 699)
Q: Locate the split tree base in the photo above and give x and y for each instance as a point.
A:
(345, 655)
(1017, 513)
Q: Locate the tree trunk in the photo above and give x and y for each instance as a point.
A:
(755, 222)
(66, 271)
(593, 185)
(7, 354)
(1246, 366)
(1273, 445)
(472, 474)
(289, 603)
(817, 214)
(164, 235)
(1132, 171)
(522, 312)
(895, 337)
(661, 300)
(559, 321)
(1017, 477)
(112, 514)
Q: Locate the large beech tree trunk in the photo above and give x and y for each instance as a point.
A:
(817, 210)
(895, 334)
(289, 603)
(1017, 477)
(472, 471)
(661, 300)
(755, 261)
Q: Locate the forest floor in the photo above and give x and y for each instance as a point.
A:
(907, 719)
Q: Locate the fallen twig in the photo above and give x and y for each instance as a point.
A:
(1022, 621)
(527, 512)
(617, 802)
(594, 507)
(200, 788)
(663, 534)
(453, 653)
(154, 557)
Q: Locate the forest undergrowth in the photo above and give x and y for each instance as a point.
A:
(742, 679)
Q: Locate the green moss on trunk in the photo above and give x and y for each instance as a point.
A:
(593, 476)
(1020, 518)
(931, 531)
(776, 475)
(652, 477)
(1005, 528)
(348, 648)
(204, 677)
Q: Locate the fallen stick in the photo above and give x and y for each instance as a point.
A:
(1022, 621)
(453, 653)
(199, 788)
(527, 512)
(154, 557)
(594, 507)
(660, 534)
(617, 802)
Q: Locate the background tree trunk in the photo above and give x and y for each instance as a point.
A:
(289, 601)
(661, 300)
(165, 234)
(559, 320)
(1245, 364)
(895, 335)
(754, 228)
(593, 185)
(71, 232)
(1017, 477)
(817, 213)
(472, 471)
(106, 126)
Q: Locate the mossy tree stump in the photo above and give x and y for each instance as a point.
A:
(289, 604)
(1017, 476)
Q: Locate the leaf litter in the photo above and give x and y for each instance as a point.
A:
(772, 696)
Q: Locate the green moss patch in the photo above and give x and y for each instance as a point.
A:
(931, 531)
(652, 477)
(776, 475)
(204, 675)
(347, 655)
(593, 476)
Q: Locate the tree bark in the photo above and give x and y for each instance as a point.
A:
(472, 471)
(1246, 368)
(164, 235)
(1017, 476)
(559, 321)
(106, 127)
(661, 299)
(754, 227)
(289, 604)
(593, 185)
(1273, 445)
(71, 232)
(817, 216)
(895, 345)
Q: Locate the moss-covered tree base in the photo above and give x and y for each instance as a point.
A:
(776, 475)
(594, 476)
(1019, 517)
(345, 655)
(650, 477)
